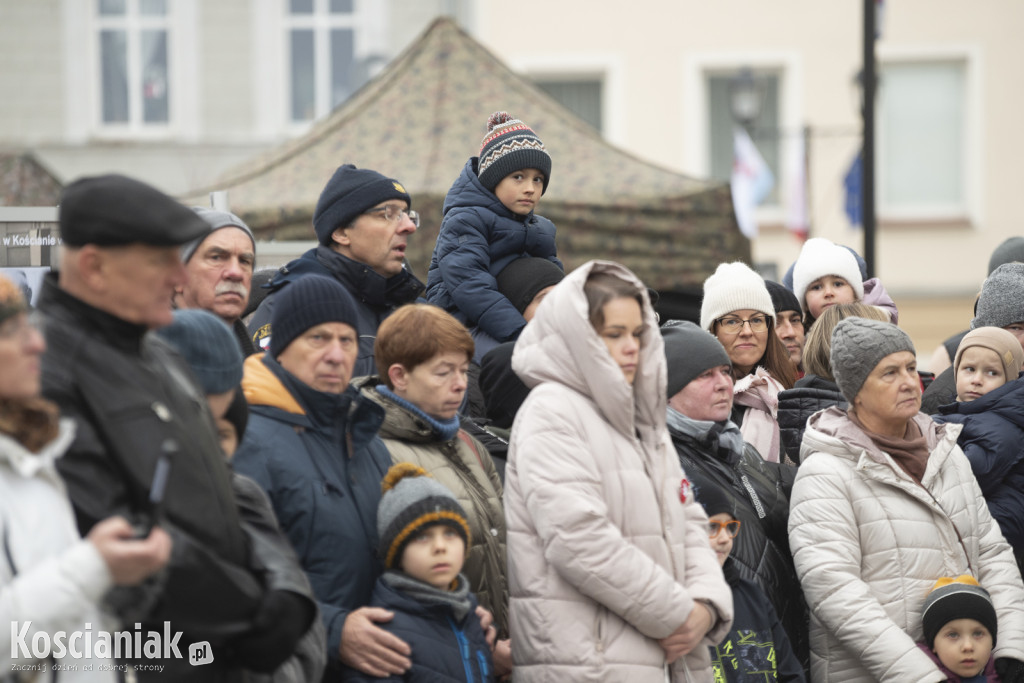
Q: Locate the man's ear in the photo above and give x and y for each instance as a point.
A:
(92, 266)
(340, 235)
(399, 376)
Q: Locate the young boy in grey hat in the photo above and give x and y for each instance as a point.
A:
(423, 539)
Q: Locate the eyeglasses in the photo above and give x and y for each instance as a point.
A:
(393, 214)
(758, 323)
(732, 528)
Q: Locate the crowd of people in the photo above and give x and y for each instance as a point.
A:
(509, 473)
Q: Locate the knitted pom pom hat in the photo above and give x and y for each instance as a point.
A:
(510, 145)
(412, 500)
(959, 598)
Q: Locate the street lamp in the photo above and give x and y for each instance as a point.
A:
(746, 97)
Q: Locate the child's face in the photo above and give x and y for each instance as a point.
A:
(980, 371)
(434, 555)
(828, 291)
(963, 646)
(721, 540)
(520, 190)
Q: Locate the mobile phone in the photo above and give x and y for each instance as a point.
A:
(157, 490)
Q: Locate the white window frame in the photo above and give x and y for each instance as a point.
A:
(694, 96)
(973, 172)
(84, 96)
(606, 68)
(271, 71)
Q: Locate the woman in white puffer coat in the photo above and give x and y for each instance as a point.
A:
(884, 504)
(51, 579)
(611, 574)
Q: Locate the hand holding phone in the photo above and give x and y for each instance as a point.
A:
(157, 490)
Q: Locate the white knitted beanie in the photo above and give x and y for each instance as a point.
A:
(734, 287)
(821, 257)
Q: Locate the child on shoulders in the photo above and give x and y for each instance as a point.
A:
(489, 221)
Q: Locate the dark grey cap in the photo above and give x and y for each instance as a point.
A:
(114, 210)
(689, 351)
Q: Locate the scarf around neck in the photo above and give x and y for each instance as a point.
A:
(446, 429)
(457, 599)
(721, 438)
(760, 392)
(909, 451)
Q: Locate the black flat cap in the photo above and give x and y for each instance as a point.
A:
(114, 210)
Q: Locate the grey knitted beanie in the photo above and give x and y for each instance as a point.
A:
(858, 346)
(208, 346)
(411, 500)
(1001, 301)
(689, 351)
(216, 219)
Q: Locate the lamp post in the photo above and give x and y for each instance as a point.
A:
(746, 96)
(868, 84)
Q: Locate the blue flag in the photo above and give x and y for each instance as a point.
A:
(852, 184)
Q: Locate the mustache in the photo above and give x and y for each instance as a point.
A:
(231, 288)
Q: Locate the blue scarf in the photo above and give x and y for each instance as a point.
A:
(446, 429)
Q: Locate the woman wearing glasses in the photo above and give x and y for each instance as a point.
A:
(757, 647)
(738, 310)
(611, 575)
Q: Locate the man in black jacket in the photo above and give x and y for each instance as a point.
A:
(713, 455)
(135, 402)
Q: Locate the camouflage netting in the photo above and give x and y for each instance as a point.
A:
(26, 182)
(425, 114)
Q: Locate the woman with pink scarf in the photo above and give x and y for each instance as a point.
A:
(738, 310)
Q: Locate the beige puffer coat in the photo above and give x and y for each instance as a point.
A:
(605, 558)
(869, 544)
(469, 473)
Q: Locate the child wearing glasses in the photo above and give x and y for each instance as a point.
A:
(488, 223)
(756, 648)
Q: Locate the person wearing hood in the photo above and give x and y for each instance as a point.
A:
(717, 460)
(884, 502)
(611, 573)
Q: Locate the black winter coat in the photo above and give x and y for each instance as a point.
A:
(443, 650)
(376, 297)
(941, 391)
(129, 394)
(759, 491)
(809, 395)
(757, 648)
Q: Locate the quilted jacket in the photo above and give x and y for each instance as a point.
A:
(869, 543)
(608, 549)
(809, 395)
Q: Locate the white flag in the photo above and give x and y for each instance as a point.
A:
(752, 180)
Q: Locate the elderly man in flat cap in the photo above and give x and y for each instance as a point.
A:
(218, 271)
(136, 404)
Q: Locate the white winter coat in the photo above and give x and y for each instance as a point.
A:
(58, 578)
(605, 558)
(869, 543)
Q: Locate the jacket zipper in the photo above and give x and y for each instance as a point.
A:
(463, 649)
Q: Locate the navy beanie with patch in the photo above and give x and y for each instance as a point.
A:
(307, 302)
(350, 192)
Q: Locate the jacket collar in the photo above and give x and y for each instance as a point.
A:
(120, 334)
(29, 464)
(366, 284)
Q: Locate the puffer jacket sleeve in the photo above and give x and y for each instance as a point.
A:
(464, 261)
(704, 580)
(827, 553)
(563, 496)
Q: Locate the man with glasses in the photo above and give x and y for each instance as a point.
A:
(363, 222)
(715, 457)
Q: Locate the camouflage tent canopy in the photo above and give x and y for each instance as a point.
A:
(424, 115)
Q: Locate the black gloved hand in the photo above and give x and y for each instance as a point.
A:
(283, 618)
(1010, 670)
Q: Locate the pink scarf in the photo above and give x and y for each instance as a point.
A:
(759, 391)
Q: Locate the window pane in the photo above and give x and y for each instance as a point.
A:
(341, 6)
(922, 116)
(109, 8)
(582, 98)
(303, 76)
(114, 76)
(153, 8)
(154, 76)
(765, 132)
(300, 6)
(342, 65)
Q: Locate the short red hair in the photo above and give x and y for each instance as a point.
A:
(414, 334)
